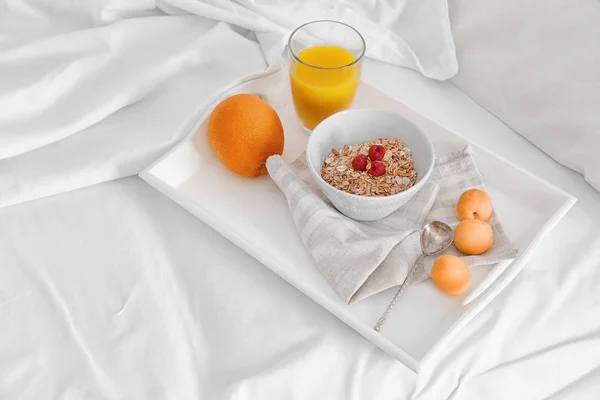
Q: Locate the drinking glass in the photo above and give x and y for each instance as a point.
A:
(325, 60)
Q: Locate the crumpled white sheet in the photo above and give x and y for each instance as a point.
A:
(98, 90)
(410, 33)
(103, 103)
(115, 292)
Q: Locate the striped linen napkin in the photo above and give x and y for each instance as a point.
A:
(360, 259)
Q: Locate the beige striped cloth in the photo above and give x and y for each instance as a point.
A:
(360, 259)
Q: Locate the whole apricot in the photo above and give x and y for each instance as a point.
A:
(474, 204)
(451, 274)
(473, 237)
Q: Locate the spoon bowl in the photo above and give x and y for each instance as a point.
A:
(436, 237)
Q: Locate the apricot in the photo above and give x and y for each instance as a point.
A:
(473, 237)
(451, 274)
(474, 204)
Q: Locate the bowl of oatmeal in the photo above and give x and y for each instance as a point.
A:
(369, 162)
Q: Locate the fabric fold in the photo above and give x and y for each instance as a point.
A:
(414, 34)
(361, 259)
(347, 252)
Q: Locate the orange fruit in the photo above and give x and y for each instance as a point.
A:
(243, 131)
(474, 204)
(473, 237)
(451, 274)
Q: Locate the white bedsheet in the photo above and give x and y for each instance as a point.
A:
(103, 80)
(113, 291)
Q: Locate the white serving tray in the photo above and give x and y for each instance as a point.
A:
(254, 215)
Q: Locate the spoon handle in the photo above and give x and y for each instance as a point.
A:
(398, 293)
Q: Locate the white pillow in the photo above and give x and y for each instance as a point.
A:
(536, 65)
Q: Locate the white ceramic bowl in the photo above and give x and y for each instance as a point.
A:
(358, 126)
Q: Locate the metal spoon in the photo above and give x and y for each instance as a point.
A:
(436, 236)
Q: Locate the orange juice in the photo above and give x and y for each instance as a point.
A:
(323, 85)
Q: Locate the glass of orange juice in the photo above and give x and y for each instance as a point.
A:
(325, 63)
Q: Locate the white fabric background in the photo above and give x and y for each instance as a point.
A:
(536, 65)
(112, 98)
(113, 291)
(113, 83)
(411, 33)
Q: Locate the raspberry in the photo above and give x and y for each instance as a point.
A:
(377, 168)
(360, 163)
(376, 152)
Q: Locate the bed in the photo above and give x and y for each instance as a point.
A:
(109, 290)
